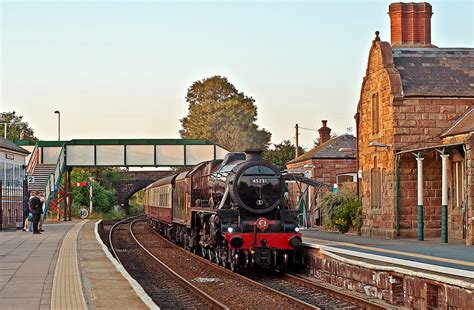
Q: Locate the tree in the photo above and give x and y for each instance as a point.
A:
(15, 127)
(281, 154)
(103, 197)
(219, 112)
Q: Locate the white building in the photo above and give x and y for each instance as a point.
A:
(12, 175)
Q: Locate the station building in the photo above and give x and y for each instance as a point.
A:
(415, 134)
(333, 161)
(12, 175)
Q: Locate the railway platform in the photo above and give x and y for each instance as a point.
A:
(429, 255)
(402, 272)
(63, 268)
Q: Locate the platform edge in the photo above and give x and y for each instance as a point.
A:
(135, 285)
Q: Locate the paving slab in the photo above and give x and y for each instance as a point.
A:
(27, 263)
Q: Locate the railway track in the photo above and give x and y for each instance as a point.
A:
(155, 263)
(167, 289)
(232, 290)
(311, 294)
(322, 295)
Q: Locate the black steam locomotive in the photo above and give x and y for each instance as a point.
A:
(232, 211)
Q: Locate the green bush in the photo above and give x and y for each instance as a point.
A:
(341, 210)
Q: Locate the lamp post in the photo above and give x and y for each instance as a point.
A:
(59, 124)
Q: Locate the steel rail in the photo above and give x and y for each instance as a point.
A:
(347, 296)
(110, 236)
(182, 280)
(301, 304)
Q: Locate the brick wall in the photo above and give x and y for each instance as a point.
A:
(420, 122)
(325, 170)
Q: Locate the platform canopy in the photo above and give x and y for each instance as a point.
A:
(128, 152)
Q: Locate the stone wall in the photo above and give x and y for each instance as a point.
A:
(394, 288)
(379, 222)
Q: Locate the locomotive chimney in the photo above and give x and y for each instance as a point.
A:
(253, 154)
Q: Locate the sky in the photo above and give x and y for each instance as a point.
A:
(121, 69)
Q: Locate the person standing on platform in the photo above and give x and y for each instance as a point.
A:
(26, 200)
(29, 219)
(40, 224)
(36, 210)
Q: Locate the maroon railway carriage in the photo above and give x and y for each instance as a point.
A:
(231, 211)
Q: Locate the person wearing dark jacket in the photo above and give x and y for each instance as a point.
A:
(36, 206)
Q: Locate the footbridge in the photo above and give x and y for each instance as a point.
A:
(50, 161)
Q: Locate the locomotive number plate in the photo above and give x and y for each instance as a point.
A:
(260, 181)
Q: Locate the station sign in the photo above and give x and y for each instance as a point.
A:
(31, 179)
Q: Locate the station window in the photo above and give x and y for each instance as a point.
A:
(375, 114)
(347, 177)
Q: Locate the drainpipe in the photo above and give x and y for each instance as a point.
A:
(420, 227)
(466, 188)
(397, 204)
(444, 198)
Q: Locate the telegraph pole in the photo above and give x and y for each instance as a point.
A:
(90, 195)
(297, 153)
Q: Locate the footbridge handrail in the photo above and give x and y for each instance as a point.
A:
(33, 161)
(55, 178)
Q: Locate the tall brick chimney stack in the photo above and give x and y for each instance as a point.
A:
(410, 24)
(324, 132)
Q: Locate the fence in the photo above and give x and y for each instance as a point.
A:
(11, 204)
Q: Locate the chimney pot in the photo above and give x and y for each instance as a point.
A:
(410, 24)
(324, 132)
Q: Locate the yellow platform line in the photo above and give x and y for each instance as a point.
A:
(409, 254)
(67, 287)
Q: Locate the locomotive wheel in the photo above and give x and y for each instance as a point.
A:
(234, 261)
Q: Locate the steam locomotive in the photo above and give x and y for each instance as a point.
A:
(231, 211)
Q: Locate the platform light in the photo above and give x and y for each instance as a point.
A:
(230, 230)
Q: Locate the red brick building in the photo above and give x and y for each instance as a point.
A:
(415, 133)
(333, 161)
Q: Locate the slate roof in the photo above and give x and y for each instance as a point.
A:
(464, 124)
(7, 144)
(440, 72)
(343, 146)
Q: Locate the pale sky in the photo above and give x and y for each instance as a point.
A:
(121, 69)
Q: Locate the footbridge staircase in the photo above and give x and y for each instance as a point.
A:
(50, 162)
